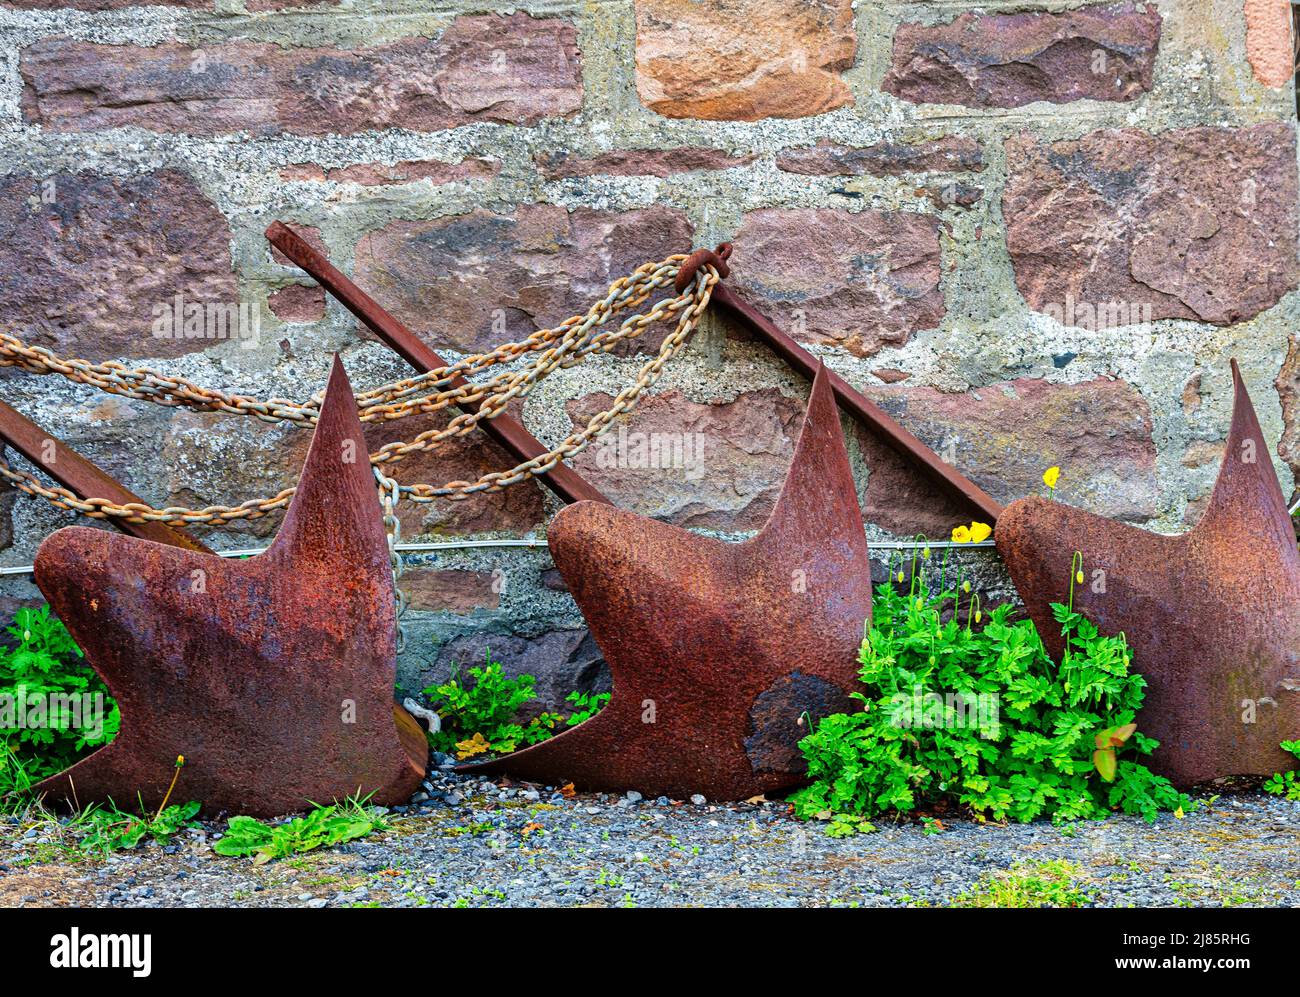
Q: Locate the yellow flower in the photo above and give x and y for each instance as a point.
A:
(180, 760)
(900, 575)
(1051, 475)
(1179, 813)
(972, 534)
(1078, 577)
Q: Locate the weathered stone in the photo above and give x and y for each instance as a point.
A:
(515, 69)
(408, 171)
(953, 195)
(951, 154)
(98, 5)
(259, 5)
(473, 281)
(718, 465)
(638, 163)
(859, 280)
(1006, 60)
(562, 661)
(297, 303)
(89, 263)
(1004, 436)
(449, 591)
(1196, 223)
(1288, 392)
(1268, 41)
(891, 375)
(553, 580)
(743, 60)
(213, 459)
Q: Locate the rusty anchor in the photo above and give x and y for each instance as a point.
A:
(1210, 615)
(272, 676)
(721, 653)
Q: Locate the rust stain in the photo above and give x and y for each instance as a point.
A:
(1268, 41)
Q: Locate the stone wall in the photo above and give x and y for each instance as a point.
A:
(1034, 232)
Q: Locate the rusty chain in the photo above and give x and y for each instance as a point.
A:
(561, 346)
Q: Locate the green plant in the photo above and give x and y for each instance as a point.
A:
(324, 826)
(109, 829)
(53, 709)
(1286, 784)
(1028, 884)
(585, 706)
(1011, 736)
(480, 716)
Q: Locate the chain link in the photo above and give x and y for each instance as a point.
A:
(388, 498)
(562, 346)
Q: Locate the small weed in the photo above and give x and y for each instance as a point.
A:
(1286, 784)
(609, 879)
(1028, 884)
(323, 827)
(109, 829)
(480, 717)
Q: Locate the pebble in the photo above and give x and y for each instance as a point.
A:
(606, 851)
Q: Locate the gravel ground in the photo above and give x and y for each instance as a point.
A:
(480, 844)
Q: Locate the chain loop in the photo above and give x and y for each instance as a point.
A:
(389, 494)
(564, 345)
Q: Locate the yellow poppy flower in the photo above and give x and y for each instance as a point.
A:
(1051, 476)
(980, 532)
(960, 535)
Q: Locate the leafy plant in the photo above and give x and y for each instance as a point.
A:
(480, 716)
(43, 666)
(1012, 736)
(324, 826)
(585, 706)
(111, 830)
(1286, 784)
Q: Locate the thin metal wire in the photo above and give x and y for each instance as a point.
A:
(527, 544)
